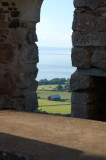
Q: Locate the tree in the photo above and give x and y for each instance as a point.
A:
(52, 81)
(43, 82)
(59, 87)
(67, 85)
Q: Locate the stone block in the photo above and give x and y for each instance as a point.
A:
(31, 10)
(2, 17)
(87, 111)
(15, 23)
(83, 22)
(5, 4)
(99, 59)
(18, 104)
(81, 82)
(6, 54)
(3, 24)
(18, 38)
(26, 80)
(31, 102)
(84, 98)
(32, 55)
(34, 86)
(18, 65)
(92, 72)
(30, 68)
(79, 111)
(6, 103)
(7, 84)
(91, 39)
(29, 55)
(31, 37)
(81, 57)
(4, 33)
(24, 24)
(15, 13)
(89, 4)
(101, 24)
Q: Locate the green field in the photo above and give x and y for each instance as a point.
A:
(57, 109)
(62, 106)
(46, 87)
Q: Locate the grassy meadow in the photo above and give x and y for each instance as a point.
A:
(62, 106)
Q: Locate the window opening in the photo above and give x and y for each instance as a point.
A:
(54, 35)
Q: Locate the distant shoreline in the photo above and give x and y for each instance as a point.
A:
(54, 62)
(57, 48)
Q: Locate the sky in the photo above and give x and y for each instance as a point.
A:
(54, 29)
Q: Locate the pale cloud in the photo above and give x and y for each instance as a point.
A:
(51, 34)
(43, 28)
(66, 39)
(66, 36)
(45, 22)
(56, 40)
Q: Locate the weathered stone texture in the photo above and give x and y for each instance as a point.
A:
(89, 4)
(92, 72)
(84, 57)
(88, 40)
(18, 54)
(82, 111)
(7, 84)
(88, 97)
(99, 58)
(81, 57)
(6, 53)
(88, 111)
(84, 98)
(86, 20)
(89, 56)
(83, 22)
(101, 24)
(81, 82)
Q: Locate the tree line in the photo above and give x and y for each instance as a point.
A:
(62, 83)
(53, 81)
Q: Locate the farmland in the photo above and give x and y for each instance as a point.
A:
(62, 106)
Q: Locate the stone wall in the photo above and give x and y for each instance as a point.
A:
(18, 54)
(88, 83)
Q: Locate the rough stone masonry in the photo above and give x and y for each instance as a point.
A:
(18, 54)
(88, 83)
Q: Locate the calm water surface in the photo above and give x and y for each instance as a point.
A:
(54, 63)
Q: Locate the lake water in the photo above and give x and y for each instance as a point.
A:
(54, 63)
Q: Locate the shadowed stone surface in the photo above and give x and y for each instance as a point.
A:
(92, 72)
(84, 98)
(81, 58)
(89, 56)
(99, 59)
(18, 54)
(90, 4)
(81, 82)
